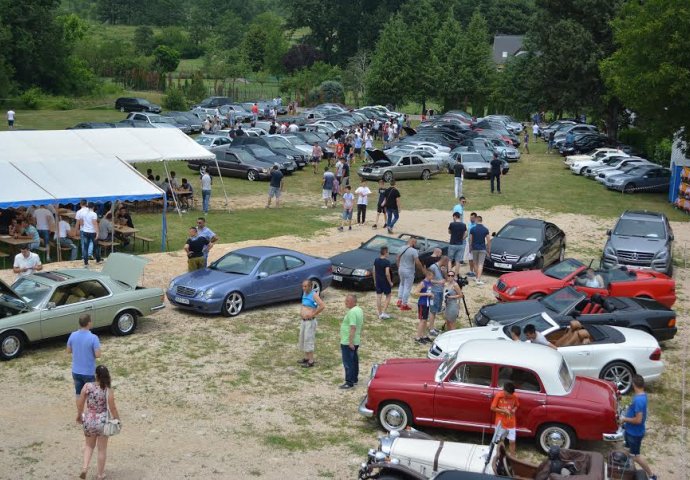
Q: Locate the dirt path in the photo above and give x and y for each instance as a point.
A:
(209, 397)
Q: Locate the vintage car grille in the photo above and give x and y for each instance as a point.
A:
(635, 257)
(185, 291)
(504, 258)
(340, 270)
(501, 286)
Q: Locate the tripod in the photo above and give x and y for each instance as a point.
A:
(467, 310)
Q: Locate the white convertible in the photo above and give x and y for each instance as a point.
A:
(595, 155)
(599, 351)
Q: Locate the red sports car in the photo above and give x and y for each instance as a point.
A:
(616, 282)
(556, 407)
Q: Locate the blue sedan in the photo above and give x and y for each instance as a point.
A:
(249, 277)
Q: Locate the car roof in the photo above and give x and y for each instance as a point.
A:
(260, 251)
(643, 215)
(517, 354)
(532, 222)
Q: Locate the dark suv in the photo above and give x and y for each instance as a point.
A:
(640, 239)
(131, 104)
(213, 102)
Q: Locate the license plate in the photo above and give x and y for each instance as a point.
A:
(337, 278)
(480, 174)
(181, 300)
(503, 265)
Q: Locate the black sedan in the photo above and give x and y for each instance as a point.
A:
(355, 268)
(235, 162)
(525, 244)
(584, 143)
(568, 304)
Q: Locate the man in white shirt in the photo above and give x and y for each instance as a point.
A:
(88, 225)
(26, 262)
(79, 216)
(62, 234)
(293, 128)
(535, 131)
(10, 119)
(205, 190)
(362, 193)
(536, 337)
(44, 220)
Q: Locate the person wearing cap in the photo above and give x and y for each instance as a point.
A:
(26, 262)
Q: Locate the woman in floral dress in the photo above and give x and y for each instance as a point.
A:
(93, 397)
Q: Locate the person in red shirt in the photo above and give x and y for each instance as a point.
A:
(505, 405)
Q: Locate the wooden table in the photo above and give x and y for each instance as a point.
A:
(67, 213)
(125, 231)
(14, 243)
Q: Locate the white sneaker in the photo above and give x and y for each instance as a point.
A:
(480, 282)
(384, 316)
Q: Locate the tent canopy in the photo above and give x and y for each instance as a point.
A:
(64, 166)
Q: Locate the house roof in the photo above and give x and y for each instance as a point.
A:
(506, 46)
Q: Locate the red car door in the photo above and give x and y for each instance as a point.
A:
(530, 393)
(463, 399)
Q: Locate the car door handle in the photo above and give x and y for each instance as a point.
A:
(90, 307)
(488, 395)
(584, 354)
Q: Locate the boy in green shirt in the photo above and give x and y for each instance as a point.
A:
(350, 334)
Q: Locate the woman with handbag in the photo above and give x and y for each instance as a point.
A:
(100, 420)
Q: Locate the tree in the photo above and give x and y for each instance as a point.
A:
(144, 42)
(388, 79)
(174, 99)
(264, 44)
(508, 17)
(650, 71)
(166, 59)
(447, 61)
(331, 92)
(355, 74)
(299, 56)
(513, 94)
(477, 71)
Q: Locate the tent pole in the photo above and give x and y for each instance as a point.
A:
(172, 190)
(164, 227)
(112, 224)
(57, 235)
(222, 184)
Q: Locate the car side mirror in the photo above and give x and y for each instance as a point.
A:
(51, 305)
(262, 275)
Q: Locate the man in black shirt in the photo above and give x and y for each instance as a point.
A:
(380, 208)
(273, 128)
(195, 250)
(496, 166)
(383, 282)
(458, 234)
(392, 204)
(275, 186)
(459, 173)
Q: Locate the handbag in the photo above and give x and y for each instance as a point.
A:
(112, 425)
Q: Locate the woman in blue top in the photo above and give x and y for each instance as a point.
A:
(312, 305)
(423, 291)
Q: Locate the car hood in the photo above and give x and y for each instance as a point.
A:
(407, 370)
(125, 268)
(509, 311)
(514, 247)
(360, 258)
(450, 341)
(637, 244)
(377, 155)
(7, 290)
(206, 278)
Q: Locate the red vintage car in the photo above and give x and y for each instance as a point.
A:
(556, 407)
(616, 282)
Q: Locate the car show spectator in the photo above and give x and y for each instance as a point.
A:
(185, 194)
(350, 339)
(456, 250)
(348, 205)
(425, 295)
(194, 248)
(362, 193)
(496, 167)
(437, 283)
(634, 423)
(85, 348)
(205, 190)
(383, 283)
(105, 228)
(380, 204)
(206, 232)
(312, 306)
(391, 202)
(536, 337)
(26, 262)
(11, 116)
(480, 244)
(26, 230)
(327, 187)
(458, 176)
(63, 237)
(505, 405)
(45, 222)
(468, 250)
(88, 226)
(316, 155)
(275, 186)
(407, 263)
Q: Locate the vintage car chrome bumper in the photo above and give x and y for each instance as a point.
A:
(363, 410)
(158, 307)
(614, 437)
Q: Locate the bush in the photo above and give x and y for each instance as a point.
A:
(196, 90)
(32, 98)
(174, 99)
(63, 103)
(331, 92)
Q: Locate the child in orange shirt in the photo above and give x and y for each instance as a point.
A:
(505, 404)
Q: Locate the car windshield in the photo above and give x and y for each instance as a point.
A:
(640, 228)
(539, 321)
(242, 155)
(446, 366)
(31, 291)
(309, 137)
(141, 101)
(235, 263)
(205, 141)
(563, 269)
(278, 142)
(395, 245)
(520, 232)
(157, 119)
(565, 376)
(562, 300)
(636, 171)
(262, 151)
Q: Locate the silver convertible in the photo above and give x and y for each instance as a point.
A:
(48, 304)
(398, 165)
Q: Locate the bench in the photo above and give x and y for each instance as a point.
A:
(145, 242)
(44, 251)
(106, 246)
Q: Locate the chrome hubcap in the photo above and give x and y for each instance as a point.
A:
(394, 418)
(125, 322)
(10, 346)
(621, 376)
(555, 438)
(234, 304)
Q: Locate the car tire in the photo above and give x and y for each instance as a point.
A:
(394, 416)
(388, 176)
(315, 285)
(629, 188)
(536, 296)
(426, 175)
(252, 175)
(12, 344)
(555, 434)
(124, 323)
(582, 170)
(669, 271)
(233, 304)
(619, 373)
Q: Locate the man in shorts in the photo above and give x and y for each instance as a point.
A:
(468, 250)
(316, 154)
(634, 422)
(423, 291)
(275, 186)
(380, 209)
(480, 243)
(505, 405)
(438, 282)
(456, 249)
(348, 204)
(327, 187)
(383, 283)
(408, 263)
(312, 305)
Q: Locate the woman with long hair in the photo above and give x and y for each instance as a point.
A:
(97, 397)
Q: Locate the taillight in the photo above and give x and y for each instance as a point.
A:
(656, 355)
(330, 269)
(672, 322)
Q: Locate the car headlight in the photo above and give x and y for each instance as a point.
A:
(288, 157)
(529, 258)
(264, 170)
(171, 285)
(361, 272)
(208, 293)
(662, 255)
(471, 169)
(511, 290)
(609, 250)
